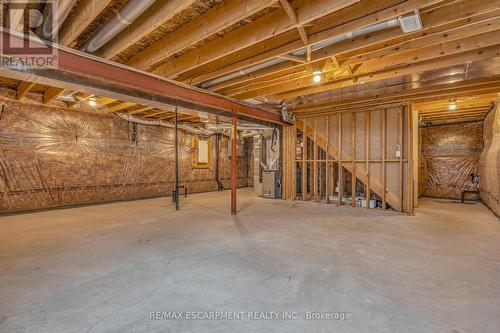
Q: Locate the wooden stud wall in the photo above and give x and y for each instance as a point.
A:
(364, 150)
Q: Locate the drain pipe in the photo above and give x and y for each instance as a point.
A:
(128, 14)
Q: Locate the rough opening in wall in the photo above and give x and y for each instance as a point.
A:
(457, 152)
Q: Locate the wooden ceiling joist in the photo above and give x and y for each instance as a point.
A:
(362, 21)
(217, 19)
(265, 27)
(454, 32)
(23, 89)
(160, 13)
(200, 42)
(391, 41)
(51, 93)
(305, 87)
(155, 114)
(103, 101)
(120, 107)
(79, 98)
(140, 109)
(85, 13)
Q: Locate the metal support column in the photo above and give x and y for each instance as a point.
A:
(176, 162)
(234, 165)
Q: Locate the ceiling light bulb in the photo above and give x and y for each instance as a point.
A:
(452, 107)
(317, 78)
(92, 103)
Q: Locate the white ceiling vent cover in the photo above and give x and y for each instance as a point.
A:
(411, 23)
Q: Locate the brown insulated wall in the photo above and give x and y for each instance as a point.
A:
(52, 157)
(489, 166)
(449, 154)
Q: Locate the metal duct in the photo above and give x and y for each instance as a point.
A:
(249, 130)
(159, 122)
(241, 72)
(47, 31)
(370, 29)
(128, 14)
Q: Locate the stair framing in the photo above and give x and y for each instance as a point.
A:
(377, 186)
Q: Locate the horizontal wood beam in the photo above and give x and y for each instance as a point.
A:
(455, 90)
(459, 109)
(460, 102)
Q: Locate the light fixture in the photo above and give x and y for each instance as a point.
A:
(453, 105)
(92, 102)
(317, 76)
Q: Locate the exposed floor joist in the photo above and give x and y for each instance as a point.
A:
(198, 42)
(85, 13)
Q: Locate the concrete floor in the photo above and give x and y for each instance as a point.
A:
(105, 268)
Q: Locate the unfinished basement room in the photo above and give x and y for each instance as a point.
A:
(250, 166)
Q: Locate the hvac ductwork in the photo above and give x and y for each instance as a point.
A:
(159, 122)
(128, 14)
(48, 29)
(224, 129)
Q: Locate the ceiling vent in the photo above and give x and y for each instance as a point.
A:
(411, 23)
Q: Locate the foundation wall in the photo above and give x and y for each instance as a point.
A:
(449, 154)
(489, 165)
(53, 157)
